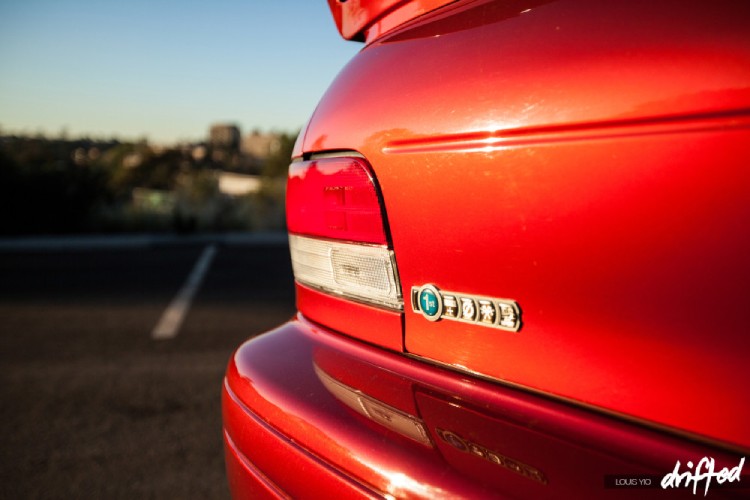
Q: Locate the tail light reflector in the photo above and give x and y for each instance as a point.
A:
(338, 239)
(353, 271)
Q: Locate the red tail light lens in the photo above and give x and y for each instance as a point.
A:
(335, 198)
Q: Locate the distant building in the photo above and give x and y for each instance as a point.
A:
(224, 136)
(259, 145)
(238, 184)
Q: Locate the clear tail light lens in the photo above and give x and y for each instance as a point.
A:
(338, 239)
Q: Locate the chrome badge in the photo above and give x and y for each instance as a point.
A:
(435, 304)
(480, 451)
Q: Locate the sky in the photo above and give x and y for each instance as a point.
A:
(164, 70)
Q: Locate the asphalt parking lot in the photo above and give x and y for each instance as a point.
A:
(94, 403)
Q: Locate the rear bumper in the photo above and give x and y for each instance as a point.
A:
(307, 411)
(296, 470)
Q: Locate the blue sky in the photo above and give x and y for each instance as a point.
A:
(164, 69)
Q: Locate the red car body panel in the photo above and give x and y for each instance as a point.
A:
(587, 160)
(365, 322)
(295, 430)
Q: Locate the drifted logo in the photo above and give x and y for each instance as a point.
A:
(705, 470)
(435, 304)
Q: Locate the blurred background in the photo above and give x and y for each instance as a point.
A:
(156, 115)
(143, 156)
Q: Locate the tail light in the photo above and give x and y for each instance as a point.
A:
(337, 232)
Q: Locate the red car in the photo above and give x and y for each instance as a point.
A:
(520, 234)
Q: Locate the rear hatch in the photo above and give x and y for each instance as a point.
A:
(585, 164)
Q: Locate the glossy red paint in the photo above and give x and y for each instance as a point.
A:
(282, 417)
(367, 323)
(585, 159)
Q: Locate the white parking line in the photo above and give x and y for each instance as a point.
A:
(169, 325)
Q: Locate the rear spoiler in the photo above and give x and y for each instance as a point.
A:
(366, 20)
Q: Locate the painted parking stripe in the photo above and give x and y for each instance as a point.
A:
(169, 325)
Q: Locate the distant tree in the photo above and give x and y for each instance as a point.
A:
(277, 163)
(136, 165)
(43, 190)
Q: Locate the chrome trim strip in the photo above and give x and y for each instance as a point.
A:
(335, 154)
(389, 417)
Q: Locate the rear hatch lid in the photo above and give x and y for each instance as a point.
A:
(543, 157)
